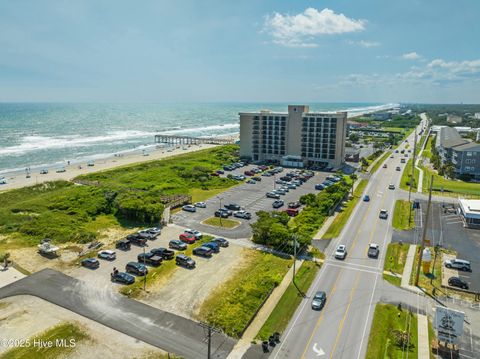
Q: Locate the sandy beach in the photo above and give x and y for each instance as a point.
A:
(19, 179)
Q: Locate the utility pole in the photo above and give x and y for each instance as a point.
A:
(210, 329)
(145, 276)
(424, 234)
(221, 214)
(412, 176)
(294, 256)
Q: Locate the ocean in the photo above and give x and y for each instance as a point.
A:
(36, 135)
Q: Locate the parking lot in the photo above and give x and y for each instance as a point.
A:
(251, 197)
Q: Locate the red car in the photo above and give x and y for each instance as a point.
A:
(292, 212)
(187, 238)
(248, 173)
(214, 174)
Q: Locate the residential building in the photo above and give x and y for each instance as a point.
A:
(470, 210)
(477, 115)
(454, 119)
(296, 138)
(462, 153)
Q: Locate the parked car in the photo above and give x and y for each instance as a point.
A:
(285, 188)
(294, 204)
(213, 246)
(184, 261)
(222, 242)
(249, 173)
(61, 170)
(150, 258)
(122, 277)
(220, 172)
(91, 263)
(291, 186)
(221, 213)
(273, 195)
(277, 204)
(107, 254)
(146, 235)
(156, 231)
(373, 250)
(215, 174)
(341, 252)
(366, 198)
(391, 186)
(136, 239)
(280, 191)
(123, 244)
(197, 234)
(201, 205)
(187, 238)
(44, 171)
(319, 300)
(460, 264)
(177, 244)
(232, 207)
(383, 214)
(238, 177)
(242, 214)
(202, 251)
(251, 181)
(292, 212)
(189, 208)
(136, 268)
(457, 282)
(320, 187)
(165, 253)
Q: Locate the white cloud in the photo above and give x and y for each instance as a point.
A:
(299, 30)
(364, 43)
(411, 56)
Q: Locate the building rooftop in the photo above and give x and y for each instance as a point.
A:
(449, 137)
(471, 207)
(471, 146)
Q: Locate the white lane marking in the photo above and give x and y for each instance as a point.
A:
(338, 263)
(319, 351)
(355, 269)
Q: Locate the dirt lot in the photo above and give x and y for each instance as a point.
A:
(23, 317)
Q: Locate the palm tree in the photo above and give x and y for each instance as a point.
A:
(353, 177)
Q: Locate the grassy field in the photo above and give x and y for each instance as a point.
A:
(341, 219)
(450, 187)
(428, 281)
(157, 274)
(395, 261)
(65, 331)
(405, 180)
(288, 303)
(401, 215)
(380, 161)
(232, 305)
(382, 342)
(427, 152)
(221, 222)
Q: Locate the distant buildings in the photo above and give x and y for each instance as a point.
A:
(477, 115)
(463, 154)
(454, 119)
(297, 138)
(381, 116)
(470, 210)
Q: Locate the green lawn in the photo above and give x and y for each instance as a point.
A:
(232, 305)
(428, 281)
(450, 187)
(427, 152)
(69, 332)
(341, 219)
(221, 222)
(402, 214)
(395, 258)
(288, 303)
(405, 180)
(382, 342)
(380, 162)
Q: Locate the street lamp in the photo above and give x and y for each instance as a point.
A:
(220, 212)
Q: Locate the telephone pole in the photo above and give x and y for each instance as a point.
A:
(424, 234)
(210, 329)
(412, 176)
(294, 256)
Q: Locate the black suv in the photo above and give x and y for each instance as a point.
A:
(164, 253)
(203, 251)
(122, 277)
(137, 239)
(457, 282)
(222, 242)
(185, 261)
(136, 268)
(123, 244)
(232, 207)
(150, 258)
(222, 212)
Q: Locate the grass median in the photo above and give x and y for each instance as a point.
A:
(394, 333)
(406, 175)
(341, 219)
(382, 159)
(290, 300)
(221, 222)
(402, 216)
(232, 305)
(395, 262)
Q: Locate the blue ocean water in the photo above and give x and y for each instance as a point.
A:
(39, 134)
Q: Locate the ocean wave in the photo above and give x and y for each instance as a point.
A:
(356, 111)
(211, 129)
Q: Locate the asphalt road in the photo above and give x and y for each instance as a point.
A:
(342, 328)
(164, 330)
(252, 197)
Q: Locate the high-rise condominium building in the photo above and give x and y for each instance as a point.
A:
(298, 138)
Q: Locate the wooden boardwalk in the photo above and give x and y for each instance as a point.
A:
(187, 140)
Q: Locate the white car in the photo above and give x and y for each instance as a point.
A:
(383, 214)
(242, 214)
(107, 254)
(201, 205)
(194, 232)
(189, 208)
(391, 186)
(341, 252)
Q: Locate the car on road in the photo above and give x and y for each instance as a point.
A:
(137, 239)
(294, 204)
(107, 254)
(373, 250)
(201, 205)
(402, 160)
(319, 299)
(384, 165)
(273, 195)
(165, 253)
(215, 247)
(398, 168)
(187, 238)
(122, 277)
(150, 258)
(202, 251)
(242, 214)
(222, 213)
(383, 214)
(184, 261)
(91, 263)
(136, 268)
(197, 234)
(222, 242)
(189, 208)
(123, 244)
(391, 186)
(457, 282)
(277, 204)
(366, 198)
(341, 252)
(177, 244)
(233, 207)
(460, 264)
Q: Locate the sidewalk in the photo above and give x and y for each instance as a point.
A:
(423, 342)
(244, 343)
(9, 275)
(407, 270)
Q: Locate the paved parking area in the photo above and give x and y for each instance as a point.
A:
(252, 197)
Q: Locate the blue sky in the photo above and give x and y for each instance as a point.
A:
(249, 50)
